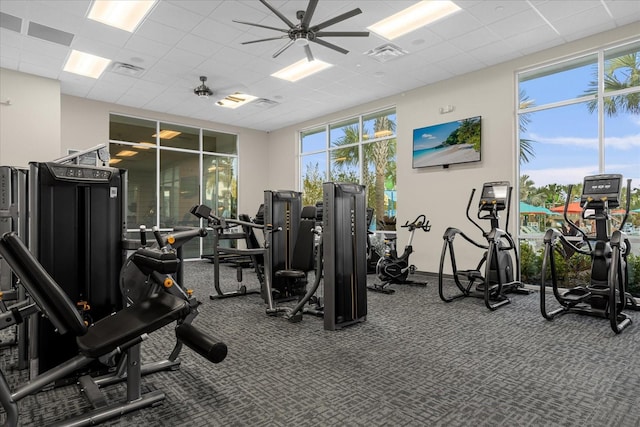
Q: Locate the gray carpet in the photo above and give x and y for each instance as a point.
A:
(416, 361)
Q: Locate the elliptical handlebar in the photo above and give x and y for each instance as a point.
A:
(572, 224)
(627, 205)
(473, 192)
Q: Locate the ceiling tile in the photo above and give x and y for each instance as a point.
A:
(523, 21)
(181, 40)
(170, 15)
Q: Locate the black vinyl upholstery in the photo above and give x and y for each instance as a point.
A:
(302, 260)
(51, 299)
(107, 333)
(129, 323)
(308, 212)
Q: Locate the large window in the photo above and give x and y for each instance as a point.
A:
(359, 149)
(171, 168)
(578, 117)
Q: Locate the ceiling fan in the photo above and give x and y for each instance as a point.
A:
(304, 32)
(203, 90)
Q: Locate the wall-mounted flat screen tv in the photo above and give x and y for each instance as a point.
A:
(447, 143)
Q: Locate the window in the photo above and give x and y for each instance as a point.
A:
(578, 117)
(171, 168)
(358, 149)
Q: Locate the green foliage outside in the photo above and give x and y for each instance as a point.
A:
(572, 271)
(378, 170)
(553, 195)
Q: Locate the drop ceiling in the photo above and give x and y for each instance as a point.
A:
(157, 67)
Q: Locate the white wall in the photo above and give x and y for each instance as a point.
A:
(30, 125)
(442, 194)
(85, 123)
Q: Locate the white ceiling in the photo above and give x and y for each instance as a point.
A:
(181, 40)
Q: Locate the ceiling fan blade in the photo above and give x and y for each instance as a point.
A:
(336, 19)
(265, 40)
(307, 51)
(311, 8)
(261, 26)
(278, 14)
(285, 47)
(330, 45)
(342, 34)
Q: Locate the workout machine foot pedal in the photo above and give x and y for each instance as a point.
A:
(575, 296)
(414, 283)
(92, 391)
(296, 318)
(381, 289)
(470, 274)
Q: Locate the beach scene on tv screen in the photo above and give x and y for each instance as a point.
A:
(447, 143)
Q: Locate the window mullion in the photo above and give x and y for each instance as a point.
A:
(601, 151)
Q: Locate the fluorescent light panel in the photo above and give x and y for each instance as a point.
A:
(86, 64)
(235, 100)
(413, 17)
(126, 153)
(301, 69)
(167, 134)
(125, 15)
(144, 145)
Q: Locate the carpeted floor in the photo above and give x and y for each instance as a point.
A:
(416, 361)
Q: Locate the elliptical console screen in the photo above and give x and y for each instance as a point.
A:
(598, 188)
(494, 193)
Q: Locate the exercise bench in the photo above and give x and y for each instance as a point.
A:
(105, 340)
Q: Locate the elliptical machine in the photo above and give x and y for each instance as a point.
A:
(394, 269)
(501, 272)
(605, 295)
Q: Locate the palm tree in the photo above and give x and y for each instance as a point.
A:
(620, 73)
(381, 153)
(554, 194)
(528, 191)
(526, 145)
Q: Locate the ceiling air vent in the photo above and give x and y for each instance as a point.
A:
(264, 103)
(49, 34)
(127, 69)
(386, 52)
(10, 22)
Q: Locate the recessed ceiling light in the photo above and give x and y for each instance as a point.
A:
(125, 15)
(86, 64)
(113, 161)
(235, 100)
(144, 145)
(167, 134)
(413, 17)
(301, 69)
(126, 153)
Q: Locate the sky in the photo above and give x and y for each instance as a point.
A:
(566, 138)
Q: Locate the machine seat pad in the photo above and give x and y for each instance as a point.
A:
(131, 322)
(291, 274)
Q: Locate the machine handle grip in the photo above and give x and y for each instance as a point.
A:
(179, 237)
(157, 235)
(206, 346)
(143, 235)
